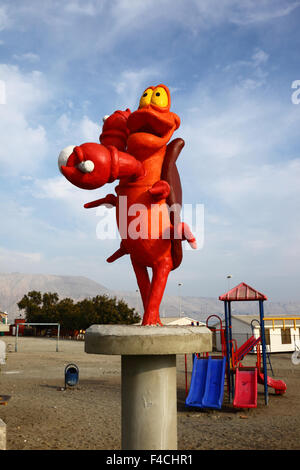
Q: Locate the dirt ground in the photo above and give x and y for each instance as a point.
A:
(42, 415)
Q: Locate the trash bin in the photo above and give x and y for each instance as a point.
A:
(71, 375)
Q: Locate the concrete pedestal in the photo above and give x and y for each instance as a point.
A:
(149, 403)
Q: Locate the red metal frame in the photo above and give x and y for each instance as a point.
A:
(221, 330)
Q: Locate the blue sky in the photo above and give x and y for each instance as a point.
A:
(229, 65)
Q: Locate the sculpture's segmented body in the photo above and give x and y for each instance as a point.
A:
(134, 149)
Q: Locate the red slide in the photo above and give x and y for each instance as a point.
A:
(278, 385)
(245, 395)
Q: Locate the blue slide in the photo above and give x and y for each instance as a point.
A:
(207, 383)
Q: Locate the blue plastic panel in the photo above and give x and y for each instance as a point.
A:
(207, 383)
(198, 381)
(214, 388)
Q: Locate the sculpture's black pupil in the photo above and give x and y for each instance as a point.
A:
(145, 94)
(157, 94)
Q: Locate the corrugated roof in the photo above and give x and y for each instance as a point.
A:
(242, 292)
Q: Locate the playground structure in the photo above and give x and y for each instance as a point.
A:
(211, 373)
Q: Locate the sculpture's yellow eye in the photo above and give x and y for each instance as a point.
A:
(146, 98)
(160, 97)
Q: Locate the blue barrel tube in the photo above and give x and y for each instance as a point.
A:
(71, 375)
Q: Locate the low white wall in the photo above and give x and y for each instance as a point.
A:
(276, 343)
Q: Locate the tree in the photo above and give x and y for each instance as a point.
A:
(104, 310)
(31, 304)
(68, 315)
(47, 308)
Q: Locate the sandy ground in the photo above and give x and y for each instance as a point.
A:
(42, 415)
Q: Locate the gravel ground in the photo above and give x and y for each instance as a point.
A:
(42, 415)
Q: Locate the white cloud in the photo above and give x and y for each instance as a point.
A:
(23, 143)
(233, 124)
(131, 84)
(259, 57)
(27, 57)
(61, 190)
(76, 132)
(119, 18)
(251, 12)
(89, 130)
(238, 159)
(26, 92)
(274, 184)
(12, 260)
(53, 232)
(199, 16)
(249, 73)
(89, 8)
(241, 160)
(15, 256)
(4, 18)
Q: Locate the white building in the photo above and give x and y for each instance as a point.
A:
(282, 333)
(180, 321)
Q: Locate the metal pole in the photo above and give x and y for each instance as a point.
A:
(58, 332)
(227, 349)
(179, 295)
(16, 345)
(229, 277)
(231, 344)
(263, 345)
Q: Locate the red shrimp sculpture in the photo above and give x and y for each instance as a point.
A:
(134, 149)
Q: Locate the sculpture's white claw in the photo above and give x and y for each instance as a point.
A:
(64, 155)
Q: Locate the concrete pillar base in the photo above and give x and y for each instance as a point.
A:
(149, 403)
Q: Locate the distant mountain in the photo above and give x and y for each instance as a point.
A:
(200, 308)
(13, 286)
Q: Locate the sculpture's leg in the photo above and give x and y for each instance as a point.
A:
(143, 281)
(160, 276)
